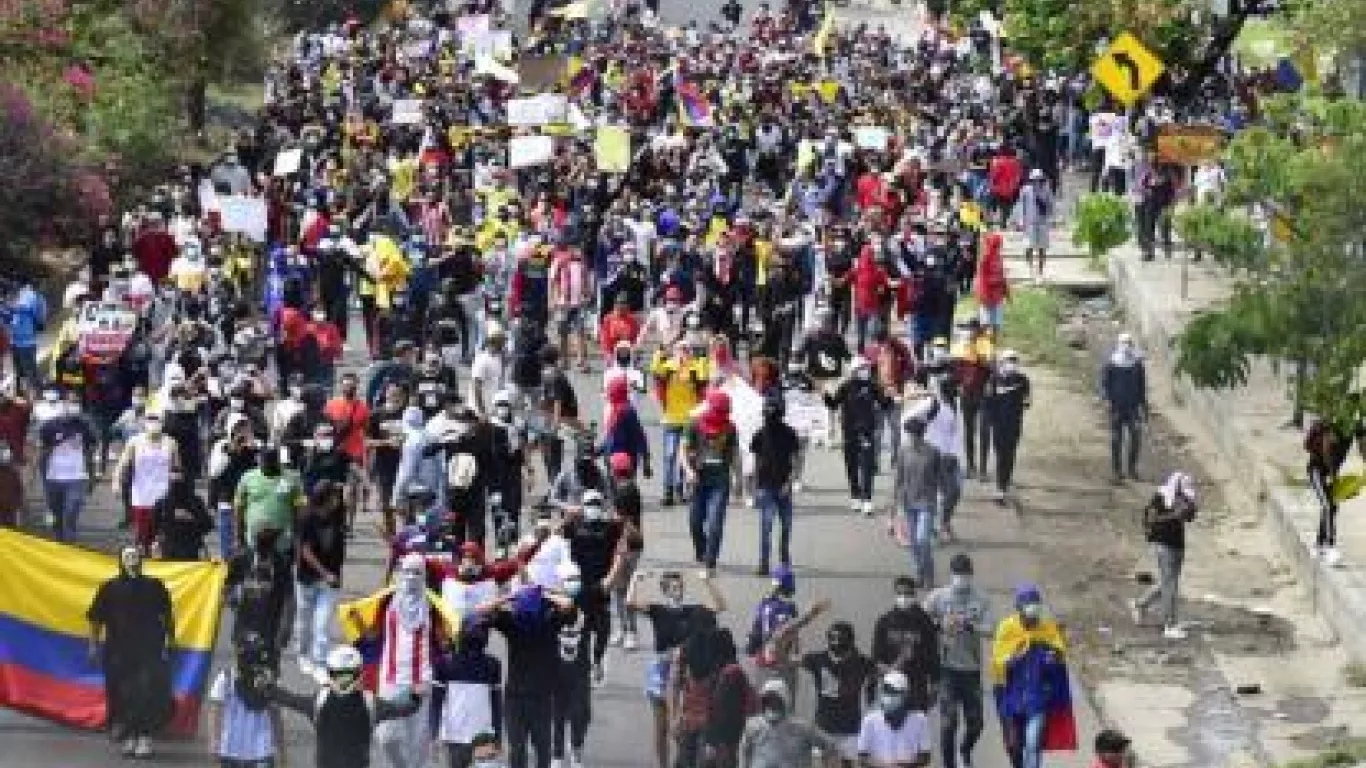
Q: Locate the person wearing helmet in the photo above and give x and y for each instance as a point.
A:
(345, 716)
(243, 729)
(962, 613)
(895, 733)
(859, 399)
(840, 675)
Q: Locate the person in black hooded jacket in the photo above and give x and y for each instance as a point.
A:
(181, 521)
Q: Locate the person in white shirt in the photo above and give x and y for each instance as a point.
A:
(489, 370)
(188, 271)
(894, 735)
(623, 364)
(146, 466)
(67, 443)
(664, 324)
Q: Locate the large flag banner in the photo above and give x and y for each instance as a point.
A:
(45, 667)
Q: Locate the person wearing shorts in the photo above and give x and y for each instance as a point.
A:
(672, 620)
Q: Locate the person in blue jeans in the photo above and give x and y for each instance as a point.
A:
(25, 315)
(919, 477)
(775, 447)
(711, 461)
(67, 445)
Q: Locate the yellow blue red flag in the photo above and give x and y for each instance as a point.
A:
(45, 668)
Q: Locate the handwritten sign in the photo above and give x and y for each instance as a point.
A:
(490, 44)
(527, 151)
(288, 162)
(244, 215)
(406, 112)
(543, 109)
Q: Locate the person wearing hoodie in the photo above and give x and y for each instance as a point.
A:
(621, 428)
(1005, 400)
(1124, 387)
(775, 738)
(990, 285)
(871, 285)
(775, 447)
(1164, 522)
(906, 640)
(414, 466)
(896, 733)
(962, 613)
(711, 462)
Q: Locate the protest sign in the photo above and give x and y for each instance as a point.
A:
(243, 215)
(491, 44)
(104, 328)
(872, 137)
(406, 112)
(543, 109)
(612, 149)
(487, 66)
(577, 10)
(468, 25)
(288, 161)
(526, 151)
(747, 408)
(539, 73)
(806, 413)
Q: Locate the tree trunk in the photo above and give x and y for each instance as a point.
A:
(196, 104)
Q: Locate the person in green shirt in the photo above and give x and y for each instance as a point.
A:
(711, 459)
(268, 497)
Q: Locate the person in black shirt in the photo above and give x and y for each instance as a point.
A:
(775, 447)
(324, 460)
(843, 678)
(1004, 402)
(322, 552)
(530, 620)
(1164, 522)
(181, 522)
(673, 621)
(572, 690)
(824, 352)
(259, 586)
(906, 640)
(594, 546)
(559, 407)
(860, 400)
(385, 442)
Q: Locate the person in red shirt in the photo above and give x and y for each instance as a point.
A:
(15, 416)
(618, 325)
(154, 249)
(329, 339)
(871, 285)
(350, 418)
(869, 190)
(990, 286)
(1005, 174)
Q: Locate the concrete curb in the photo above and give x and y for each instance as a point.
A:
(1339, 594)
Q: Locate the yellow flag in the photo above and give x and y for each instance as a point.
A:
(822, 37)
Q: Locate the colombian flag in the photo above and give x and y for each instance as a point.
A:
(693, 107)
(1025, 661)
(362, 623)
(45, 669)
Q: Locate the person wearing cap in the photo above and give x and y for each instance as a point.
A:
(1004, 402)
(1030, 681)
(962, 613)
(894, 734)
(1124, 388)
(776, 738)
(1036, 218)
(1112, 750)
(860, 400)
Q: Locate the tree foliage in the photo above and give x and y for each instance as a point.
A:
(1329, 24)
(1062, 34)
(1102, 223)
(1299, 261)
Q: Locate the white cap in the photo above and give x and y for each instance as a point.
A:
(896, 681)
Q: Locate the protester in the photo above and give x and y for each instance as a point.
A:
(962, 614)
(1030, 680)
(841, 676)
(711, 464)
(895, 733)
(1164, 523)
(1124, 387)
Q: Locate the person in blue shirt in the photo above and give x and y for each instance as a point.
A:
(25, 316)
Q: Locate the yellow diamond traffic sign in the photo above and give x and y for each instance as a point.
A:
(1127, 69)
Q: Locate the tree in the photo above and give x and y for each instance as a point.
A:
(1298, 265)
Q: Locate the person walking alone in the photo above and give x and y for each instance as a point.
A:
(1164, 523)
(1124, 387)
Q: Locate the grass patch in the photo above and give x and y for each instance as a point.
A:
(1340, 754)
(1033, 315)
(1354, 675)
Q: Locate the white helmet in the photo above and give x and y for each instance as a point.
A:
(343, 669)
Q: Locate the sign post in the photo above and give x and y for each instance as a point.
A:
(1127, 69)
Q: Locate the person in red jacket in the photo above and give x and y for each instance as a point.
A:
(990, 286)
(871, 285)
(154, 249)
(618, 325)
(1005, 174)
(870, 189)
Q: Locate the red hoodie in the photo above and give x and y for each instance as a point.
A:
(870, 283)
(618, 327)
(1005, 174)
(991, 287)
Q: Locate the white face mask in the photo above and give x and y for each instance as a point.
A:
(594, 513)
(152, 428)
(410, 581)
(237, 405)
(863, 374)
(1008, 367)
(325, 444)
(1031, 611)
(904, 602)
(960, 581)
(891, 701)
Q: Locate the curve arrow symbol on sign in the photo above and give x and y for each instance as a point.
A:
(1126, 62)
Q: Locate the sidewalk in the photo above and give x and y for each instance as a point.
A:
(1248, 426)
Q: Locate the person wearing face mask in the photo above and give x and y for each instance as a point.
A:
(530, 620)
(345, 716)
(774, 633)
(859, 400)
(268, 497)
(290, 423)
(433, 384)
(894, 734)
(229, 460)
(181, 522)
(66, 444)
(489, 369)
(664, 324)
(906, 640)
(840, 675)
(775, 738)
(775, 447)
(571, 691)
(711, 465)
(920, 476)
(671, 619)
(350, 417)
(1164, 521)
(144, 469)
(622, 431)
(622, 365)
(318, 575)
(181, 421)
(467, 454)
(962, 613)
(1005, 400)
(595, 548)
(1124, 387)
(132, 635)
(678, 379)
(470, 687)
(324, 460)
(1029, 677)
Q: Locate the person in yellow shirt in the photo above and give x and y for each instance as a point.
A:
(679, 381)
